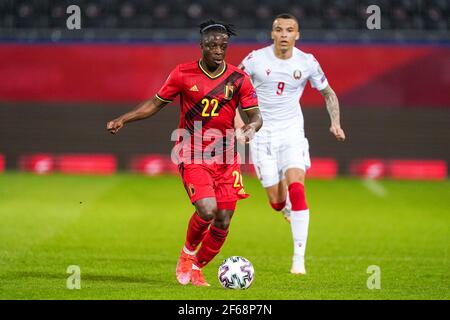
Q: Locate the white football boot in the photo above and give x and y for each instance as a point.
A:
(298, 265)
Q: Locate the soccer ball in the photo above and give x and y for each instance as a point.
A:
(236, 273)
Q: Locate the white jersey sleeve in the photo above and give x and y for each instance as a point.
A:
(247, 64)
(317, 78)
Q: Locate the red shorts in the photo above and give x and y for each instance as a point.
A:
(222, 181)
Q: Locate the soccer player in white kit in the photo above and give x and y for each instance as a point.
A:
(280, 150)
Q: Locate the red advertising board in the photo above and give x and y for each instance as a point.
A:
(418, 169)
(361, 75)
(2, 163)
(40, 163)
(95, 164)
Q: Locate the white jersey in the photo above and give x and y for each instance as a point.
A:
(279, 85)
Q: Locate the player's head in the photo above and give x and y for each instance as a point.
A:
(285, 31)
(214, 41)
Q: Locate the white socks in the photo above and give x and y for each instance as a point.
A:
(299, 227)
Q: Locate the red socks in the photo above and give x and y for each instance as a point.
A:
(297, 196)
(211, 245)
(196, 231)
(278, 206)
(211, 240)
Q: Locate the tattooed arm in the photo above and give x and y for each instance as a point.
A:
(333, 110)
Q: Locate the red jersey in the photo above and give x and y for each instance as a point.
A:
(208, 102)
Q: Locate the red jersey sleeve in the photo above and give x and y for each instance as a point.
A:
(247, 95)
(171, 88)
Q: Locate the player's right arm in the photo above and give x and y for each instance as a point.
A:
(144, 110)
(168, 92)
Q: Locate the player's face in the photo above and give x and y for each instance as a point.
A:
(284, 33)
(214, 46)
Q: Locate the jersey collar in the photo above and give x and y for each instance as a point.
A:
(272, 50)
(208, 74)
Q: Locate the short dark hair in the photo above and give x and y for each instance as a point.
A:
(287, 16)
(212, 25)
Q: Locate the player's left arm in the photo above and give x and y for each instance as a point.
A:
(332, 103)
(249, 104)
(245, 65)
(255, 123)
(238, 121)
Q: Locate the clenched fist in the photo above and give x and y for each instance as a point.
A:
(245, 134)
(337, 132)
(114, 125)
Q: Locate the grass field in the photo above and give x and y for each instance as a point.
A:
(125, 233)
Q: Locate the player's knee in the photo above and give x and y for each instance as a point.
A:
(223, 219)
(297, 196)
(273, 195)
(207, 216)
(295, 175)
(223, 224)
(207, 213)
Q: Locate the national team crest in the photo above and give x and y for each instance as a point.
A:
(229, 90)
(297, 74)
(191, 189)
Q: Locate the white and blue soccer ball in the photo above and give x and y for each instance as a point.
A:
(236, 273)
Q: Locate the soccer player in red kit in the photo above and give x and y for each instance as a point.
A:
(210, 91)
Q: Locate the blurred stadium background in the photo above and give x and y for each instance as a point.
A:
(59, 87)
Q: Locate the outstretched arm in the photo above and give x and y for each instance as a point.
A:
(333, 110)
(144, 110)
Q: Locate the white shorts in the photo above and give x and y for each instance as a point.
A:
(273, 155)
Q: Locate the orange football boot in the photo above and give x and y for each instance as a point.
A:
(198, 279)
(184, 268)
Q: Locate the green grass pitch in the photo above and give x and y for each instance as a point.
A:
(125, 233)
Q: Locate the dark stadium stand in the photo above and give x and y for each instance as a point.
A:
(167, 16)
